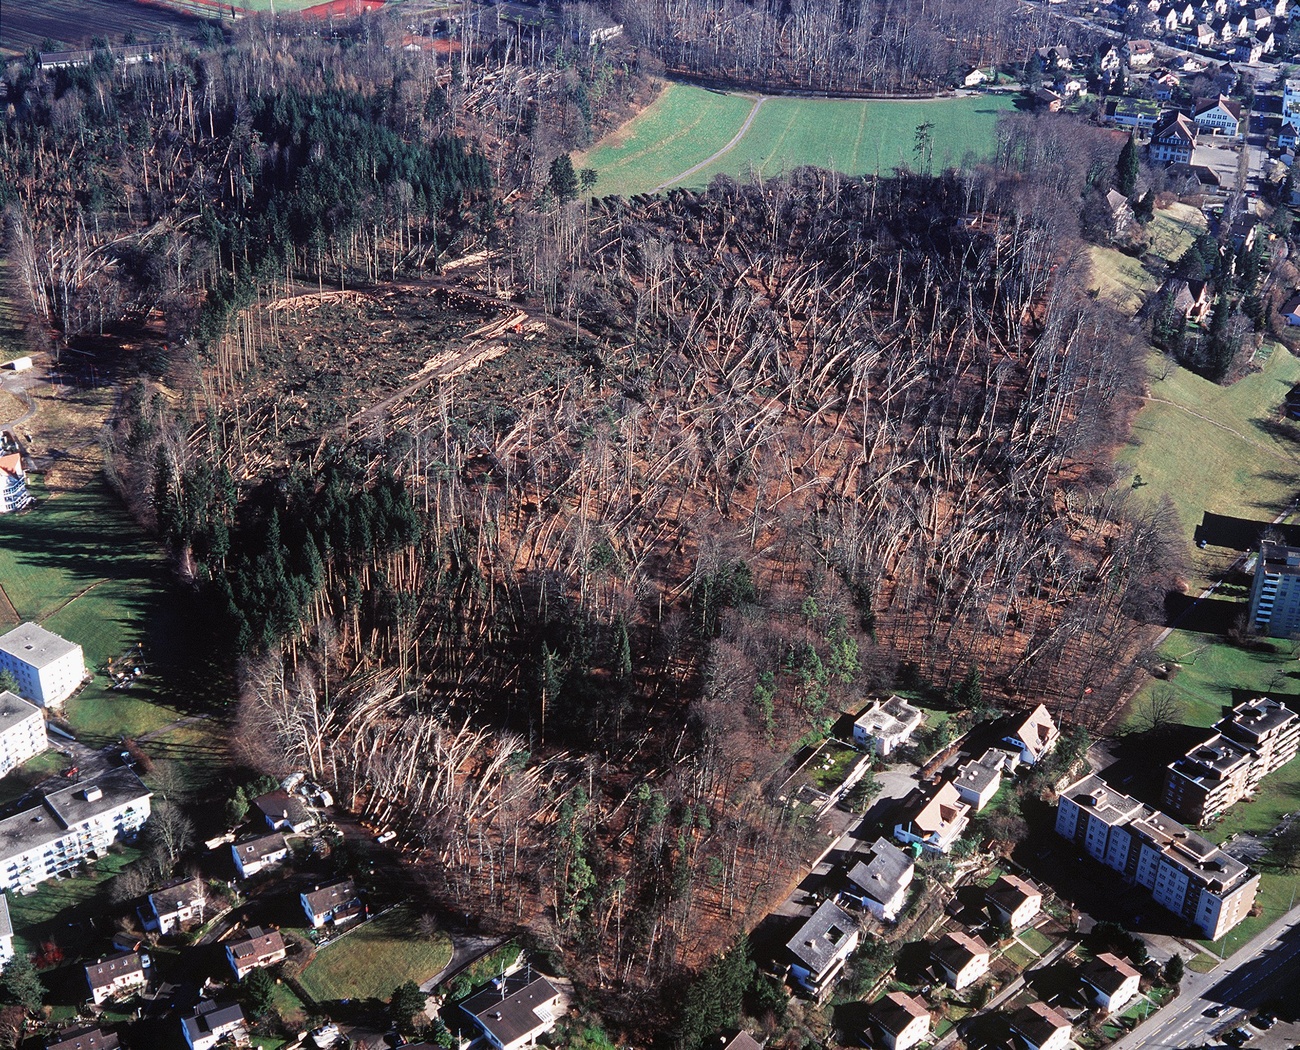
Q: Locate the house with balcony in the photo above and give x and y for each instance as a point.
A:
(117, 976)
(886, 725)
(820, 948)
(938, 823)
(881, 878)
(255, 949)
(336, 903)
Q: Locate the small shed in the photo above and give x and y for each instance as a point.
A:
(20, 364)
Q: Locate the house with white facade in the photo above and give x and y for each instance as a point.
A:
(979, 779)
(22, 731)
(84, 1039)
(255, 949)
(1110, 982)
(886, 725)
(938, 823)
(1013, 901)
(880, 880)
(175, 906)
(902, 1021)
(1036, 735)
(1039, 1027)
(70, 825)
(211, 1022)
(1218, 116)
(821, 947)
(337, 903)
(6, 932)
(259, 853)
(514, 1011)
(962, 959)
(48, 668)
(13, 484)
(116, 976)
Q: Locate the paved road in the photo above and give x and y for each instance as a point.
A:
(1268, 966)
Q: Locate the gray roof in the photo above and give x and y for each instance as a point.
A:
(979, 775)
(33, 644)
(177, 895)
(14, 710)
(817, 944)
(280, 805)
(50, 818)
(512, 1008)
(327, 898)
(1101, 800)
(255, 849)
(103, 973)
(6, 923)
(1255, 719)
(882, 874)
(1037, 1022)
(212, 1016)
(84, 1039)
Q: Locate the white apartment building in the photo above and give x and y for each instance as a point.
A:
(48, 668)
(69, 825)
(22, 731)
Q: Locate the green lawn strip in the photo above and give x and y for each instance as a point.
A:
(1211, 669)
(370, 962)
(1018, 955)
(1227, 462)
(1202, 963)
(60, 909)
(1120, 279)
(680, 128)
(1037, 940)
(834, 133)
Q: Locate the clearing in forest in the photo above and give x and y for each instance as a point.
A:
(687, 125)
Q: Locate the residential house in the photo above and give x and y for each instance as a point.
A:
(13, 484)
(1121, 214)
(1173, 140)
(116, 976)
(284, 812)
(337, 903)
(1243, 231)
(886, 725)
(740, 1041)
(1261, 18)
(1013, 901)
(48, 668)
(1069, 86)
(1140, 53)
(1218, 116)
(1048, 100)
(210, 1022)
(1280, 9)
(1036, 734)
(1111, 60)
(22, 731)
(1267, 41)
(880, 880)
(69, 825)
(256, 949)
(978, 780)
(515, 1010)
(1168, 20)
(258, 854)
(176, 905)
(84, 1039)
(938, 823)
(1186, 13)
(1128, 112)
(1248, 50)
(902, 1021)
(1224, 30)
(972, 77)
(962, 958)
(1164, 84)
(820, 948)
(1205, 36)
(1039, 1027)
(1184, 872)
(1110, 981)
(1191, 299)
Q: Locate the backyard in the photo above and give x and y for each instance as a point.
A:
(687, 125)
(368, 963)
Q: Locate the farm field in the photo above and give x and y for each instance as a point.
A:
(72, 23)
(370, 962)
(686, 125)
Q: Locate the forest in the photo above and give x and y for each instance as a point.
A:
(741, 459)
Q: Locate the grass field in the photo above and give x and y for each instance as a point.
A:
(1216, 448)
(1120, 279)
(686, 125)
(370, 962)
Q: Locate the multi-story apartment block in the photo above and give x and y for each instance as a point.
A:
(1258, 737)
(47, 668)
(1275, 591)
(69, 825)
(22, 731)
(1184, 872)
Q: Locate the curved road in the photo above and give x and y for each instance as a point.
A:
(758, 103)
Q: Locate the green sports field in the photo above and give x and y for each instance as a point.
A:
(686, 125)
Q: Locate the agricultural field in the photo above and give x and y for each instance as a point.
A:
(370, 962)
(687, 125)
(73, 23)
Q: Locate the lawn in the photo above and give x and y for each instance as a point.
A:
(1019, 956)
(77, 564)
(686, 125)
(65, 909)
(1216, 448)
(1211, 669)
(1202, 963)
(828, 769)
(1037, 940)
(370, 962)
(1120, 279)
(1173, 229)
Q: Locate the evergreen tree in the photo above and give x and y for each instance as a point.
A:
(257, 990)
(1126, 169)
(237, 808)
(563, 181)
(19, 983)
(8, 683)
(407, 1000)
